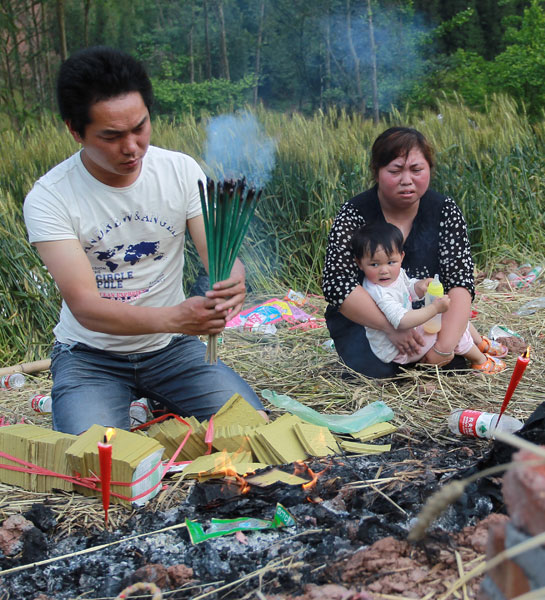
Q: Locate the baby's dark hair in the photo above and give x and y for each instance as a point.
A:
(368, 238)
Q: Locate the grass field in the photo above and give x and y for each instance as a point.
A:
(491, 163)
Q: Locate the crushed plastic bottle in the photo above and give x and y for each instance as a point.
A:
(329, 345)
(13, 381)
(139, 412)
(498, 331)
(41, 403)
(531, 307)
(475, 423)
(533, 274)
(523, 281)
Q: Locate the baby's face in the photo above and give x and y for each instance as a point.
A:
(381, 268)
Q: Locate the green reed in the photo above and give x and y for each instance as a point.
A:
(491, 163)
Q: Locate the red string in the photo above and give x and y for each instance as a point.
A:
(91, 481)
(209, 437)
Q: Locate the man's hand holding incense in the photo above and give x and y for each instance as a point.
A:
(198, 316)
(231, 292)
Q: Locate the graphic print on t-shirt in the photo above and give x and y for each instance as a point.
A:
(118, 257)
(133, 254)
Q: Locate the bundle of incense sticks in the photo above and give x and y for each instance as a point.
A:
(227, 215)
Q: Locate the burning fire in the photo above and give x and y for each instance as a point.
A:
(526, 353)
(225, 465)
(302, 469)
(109, 434)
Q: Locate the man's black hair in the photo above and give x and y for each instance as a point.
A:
(96, 74)
(368, 238)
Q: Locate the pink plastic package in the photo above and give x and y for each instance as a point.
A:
(268, 312)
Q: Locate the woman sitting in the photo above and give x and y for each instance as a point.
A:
(435, 241)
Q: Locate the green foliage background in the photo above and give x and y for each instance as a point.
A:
(289, 55)
(469, 73)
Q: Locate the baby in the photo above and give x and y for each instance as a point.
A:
(378, 252)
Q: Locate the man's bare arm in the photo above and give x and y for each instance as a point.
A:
(72, 272)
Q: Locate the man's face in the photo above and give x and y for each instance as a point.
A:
(116, 139)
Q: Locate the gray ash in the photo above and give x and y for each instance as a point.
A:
(340, 515)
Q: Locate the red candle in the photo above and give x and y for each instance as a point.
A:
(520, 367)
(105, 462)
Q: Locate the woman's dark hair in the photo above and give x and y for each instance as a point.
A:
(398, 141)
(96, 74)
(368, 238)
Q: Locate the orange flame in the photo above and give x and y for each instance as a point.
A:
(109, 434)
(526, 353)
(303, 469)
(224, 465)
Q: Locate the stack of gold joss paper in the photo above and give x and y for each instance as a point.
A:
(41, 447)
(134, 455)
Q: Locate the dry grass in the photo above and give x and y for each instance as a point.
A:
(294, 362)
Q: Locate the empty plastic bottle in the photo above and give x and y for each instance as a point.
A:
(41, 403)
(475, 423)
(533, 274)
(435, 290)
(13, 381)
(139, 412)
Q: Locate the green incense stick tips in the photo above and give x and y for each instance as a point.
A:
(227, 211)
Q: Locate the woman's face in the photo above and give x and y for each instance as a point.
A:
(404, 181)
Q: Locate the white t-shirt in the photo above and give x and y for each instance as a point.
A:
(133, 236)
(394, 301)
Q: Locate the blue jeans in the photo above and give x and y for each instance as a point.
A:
(92, 386)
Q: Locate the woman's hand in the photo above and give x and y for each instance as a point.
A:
(407, 341)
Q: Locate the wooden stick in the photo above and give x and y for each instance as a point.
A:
(31, 367)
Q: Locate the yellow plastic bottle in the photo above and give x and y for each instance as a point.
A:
(435, 290)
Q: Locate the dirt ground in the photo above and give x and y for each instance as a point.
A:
(350, 537)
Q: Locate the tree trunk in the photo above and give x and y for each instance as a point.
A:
(13, 48)
(62, 29)
(223, 41)
(355, 57)
(35, 50)
(190, 44)
(86, 8)
(373, 63)
(207, 42)
(161, 15)
(328, 51)
(258, 49)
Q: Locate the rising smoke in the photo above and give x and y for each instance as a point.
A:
(237, 147)
(402, 42)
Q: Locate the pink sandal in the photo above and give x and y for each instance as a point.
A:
(492, 348)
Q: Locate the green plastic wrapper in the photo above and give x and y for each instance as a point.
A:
(376, 412)
(218, 527)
